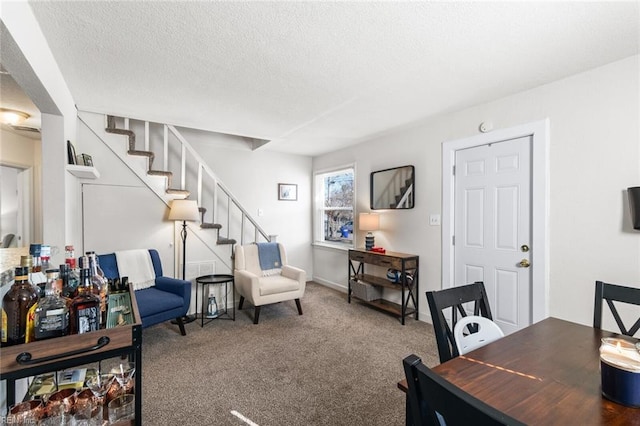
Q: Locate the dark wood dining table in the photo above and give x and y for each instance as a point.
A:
(545, 374)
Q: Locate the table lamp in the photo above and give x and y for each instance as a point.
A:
(369, 222)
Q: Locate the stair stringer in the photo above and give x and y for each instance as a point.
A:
(118, 144)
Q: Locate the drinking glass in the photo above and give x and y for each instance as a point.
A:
(122, 408)
(87, 413)
(100, 385)
(27, 413)
(123, 373)
(61, 402)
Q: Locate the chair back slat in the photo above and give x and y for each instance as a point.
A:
(615, 293)
(454, 298)
(434, 400)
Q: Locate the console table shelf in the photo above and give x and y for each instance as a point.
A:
(406, 264)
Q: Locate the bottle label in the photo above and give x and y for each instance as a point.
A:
(88, 319)
(4, 327)
(30, 335)
(54, 323)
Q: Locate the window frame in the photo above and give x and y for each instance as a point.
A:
(319, 207)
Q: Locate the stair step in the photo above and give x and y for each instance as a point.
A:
(174, 191)
(141, 153)
(159, 173)
(210, 226)
(223, 240)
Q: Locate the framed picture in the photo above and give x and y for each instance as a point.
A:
(71, 153)
(87, 160)
(287, 191)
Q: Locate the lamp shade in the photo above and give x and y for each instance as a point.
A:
(369, 221)
(184, 210)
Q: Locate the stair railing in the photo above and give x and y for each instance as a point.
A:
(218, 185)
(202, 166)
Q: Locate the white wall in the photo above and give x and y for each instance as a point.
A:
(253, 177)
(25, 153)
(27, 57)
(594, 155)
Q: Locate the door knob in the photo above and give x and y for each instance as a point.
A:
(524, 248)
(524, 263)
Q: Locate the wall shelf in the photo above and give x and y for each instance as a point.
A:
(85, 172)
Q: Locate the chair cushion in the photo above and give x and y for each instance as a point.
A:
(276, 284)
(151, 301)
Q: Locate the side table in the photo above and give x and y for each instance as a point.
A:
(223, 310)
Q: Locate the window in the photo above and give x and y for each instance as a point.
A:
(334, 195)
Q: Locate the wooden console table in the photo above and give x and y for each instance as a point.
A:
(370, 286)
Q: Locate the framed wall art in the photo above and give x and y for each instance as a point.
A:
(287, 191)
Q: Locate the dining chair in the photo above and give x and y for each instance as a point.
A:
(486, 332)
(435, 401)
(454, 298)
(615, 293)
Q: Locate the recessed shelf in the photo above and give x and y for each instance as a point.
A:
(85, 172)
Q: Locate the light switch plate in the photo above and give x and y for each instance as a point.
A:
(434, 219)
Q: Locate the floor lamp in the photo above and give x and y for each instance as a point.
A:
(184, 210)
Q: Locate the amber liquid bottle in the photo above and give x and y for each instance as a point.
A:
(85, 307)
(100, 286)
(17, 304)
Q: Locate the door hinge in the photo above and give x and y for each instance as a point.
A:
(453, 240)
(453, 171)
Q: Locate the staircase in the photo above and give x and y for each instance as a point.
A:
(111, 128)
(178, 158)
(403, 199)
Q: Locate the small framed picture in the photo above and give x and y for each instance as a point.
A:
(87, 160)
(287, 191)
(84, 160)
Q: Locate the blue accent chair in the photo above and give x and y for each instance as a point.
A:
(168, 299)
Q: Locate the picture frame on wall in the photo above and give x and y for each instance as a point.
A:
(288, 191)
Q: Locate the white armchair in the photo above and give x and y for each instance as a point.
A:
(252, 284)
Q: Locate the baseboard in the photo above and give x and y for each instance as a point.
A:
(336, 286)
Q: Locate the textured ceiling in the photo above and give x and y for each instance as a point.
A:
(312, 77)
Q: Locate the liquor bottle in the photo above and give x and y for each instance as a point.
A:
(70, 281)
(52, 313)
(85, 307)
(100, 286)
(69, 256)
(20, 300)
(45, 257)
(36, 275)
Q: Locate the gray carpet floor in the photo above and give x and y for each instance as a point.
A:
(338, 364)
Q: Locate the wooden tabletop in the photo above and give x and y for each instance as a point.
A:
(545, 374)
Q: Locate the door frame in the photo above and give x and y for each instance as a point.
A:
(539, 133)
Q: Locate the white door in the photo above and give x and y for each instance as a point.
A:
(492, 226)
